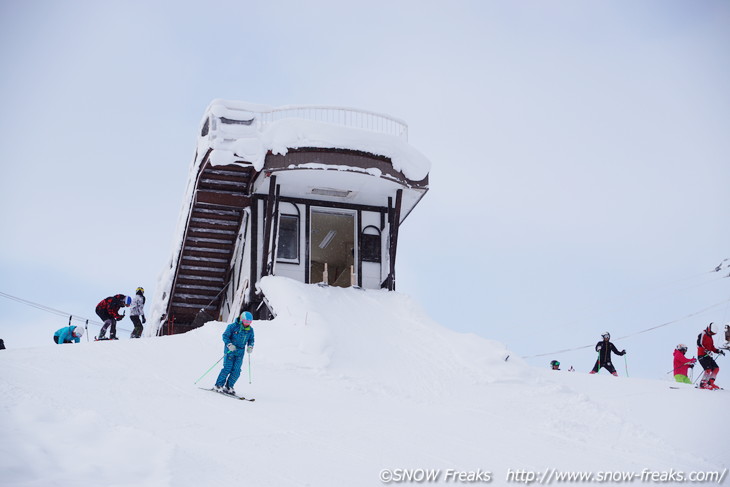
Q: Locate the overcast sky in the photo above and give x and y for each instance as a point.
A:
(580, 150)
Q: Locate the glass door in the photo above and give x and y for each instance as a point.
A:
(332, 246)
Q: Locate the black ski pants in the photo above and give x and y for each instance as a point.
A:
(605, 365)
(137, 332)
(708, 363)
(108, 321)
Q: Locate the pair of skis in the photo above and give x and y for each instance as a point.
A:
(232, 396)
(698, 387)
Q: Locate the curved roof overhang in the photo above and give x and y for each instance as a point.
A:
(339, 176)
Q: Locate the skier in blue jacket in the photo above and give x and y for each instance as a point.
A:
(68, 334)
(239, 339)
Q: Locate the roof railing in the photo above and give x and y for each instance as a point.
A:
(347, 117)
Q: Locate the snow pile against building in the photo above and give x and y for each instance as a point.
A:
(378, 337)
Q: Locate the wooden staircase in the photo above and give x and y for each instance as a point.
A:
(222, 193)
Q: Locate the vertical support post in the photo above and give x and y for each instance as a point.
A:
(253, 248)
(268, 225)
(359, 248)
(275, 231)
(394, 226)
(170, 324)
(389, 218)
(307, 244)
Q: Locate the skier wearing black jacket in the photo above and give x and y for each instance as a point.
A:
(604, 348)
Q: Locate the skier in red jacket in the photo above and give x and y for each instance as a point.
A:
(705, 349)
(108, 311)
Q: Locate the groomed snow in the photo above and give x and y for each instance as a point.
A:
(347, 383)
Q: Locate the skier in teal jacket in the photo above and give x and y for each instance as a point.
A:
(239, 339)
(68, 334)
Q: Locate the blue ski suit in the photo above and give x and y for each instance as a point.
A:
(66, 335)
(241, 337)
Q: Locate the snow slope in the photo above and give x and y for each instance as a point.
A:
(347, 383)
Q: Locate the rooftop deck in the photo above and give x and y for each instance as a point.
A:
(239, 113)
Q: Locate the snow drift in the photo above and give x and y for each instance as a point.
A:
(347, 383)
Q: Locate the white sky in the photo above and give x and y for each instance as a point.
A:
(580, 152)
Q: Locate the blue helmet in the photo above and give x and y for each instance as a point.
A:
(128, 301)
(246, 317)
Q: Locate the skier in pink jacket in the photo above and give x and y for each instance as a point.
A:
(682, 364)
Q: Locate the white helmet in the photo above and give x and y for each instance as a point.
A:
(78, 331)
(606, 335)
(681, 347)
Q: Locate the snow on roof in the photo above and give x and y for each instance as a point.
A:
(243, 130)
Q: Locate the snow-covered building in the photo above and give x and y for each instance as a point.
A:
(316, 194)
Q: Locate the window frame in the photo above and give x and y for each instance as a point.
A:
(297, 240)
(364, 255)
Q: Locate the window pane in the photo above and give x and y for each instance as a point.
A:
(370, 248)
(288, 238)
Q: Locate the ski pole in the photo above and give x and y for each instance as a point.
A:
(686, 363)
(699, 375)
(626, 364)
(249, 368)
(211, 368)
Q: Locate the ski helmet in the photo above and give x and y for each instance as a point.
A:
(554, 364)
(606, 335)
(78, 331)
(709, 329)
(246, 317)
(139, 290)
(682, 347)
(128, 301)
